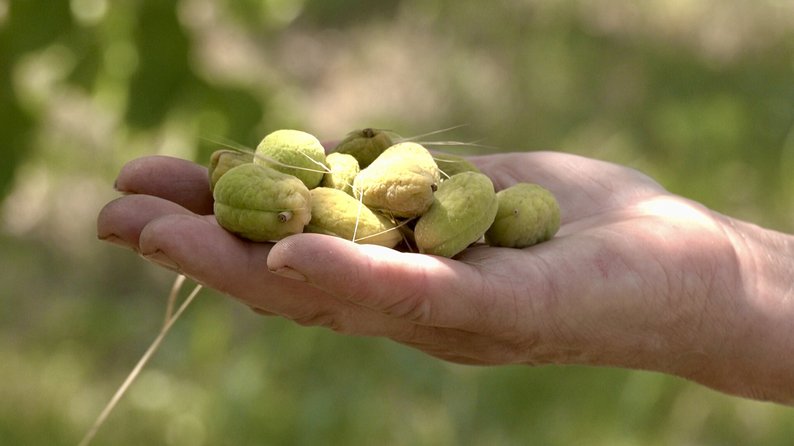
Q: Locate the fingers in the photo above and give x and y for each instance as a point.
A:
(197, 247)
(173, 237)
(421, 289)
(122, 220)
(173, 179)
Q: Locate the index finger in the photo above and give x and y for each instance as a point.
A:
(181, 181)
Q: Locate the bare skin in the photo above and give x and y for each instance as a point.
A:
(636, 278)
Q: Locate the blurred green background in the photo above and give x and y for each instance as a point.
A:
(698, 94)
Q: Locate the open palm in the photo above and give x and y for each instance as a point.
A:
(636, 277)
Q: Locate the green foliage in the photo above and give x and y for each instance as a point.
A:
(163, 75)
(696, 94)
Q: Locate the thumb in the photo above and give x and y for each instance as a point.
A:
(418, 288)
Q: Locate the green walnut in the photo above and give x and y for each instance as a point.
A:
(342, 170)
(336, 213)
(400, 182)
(464, 208)
(528, 214)
(450, 165)
(224, 159)
(295, 153)
(365, 145)
(261, 204)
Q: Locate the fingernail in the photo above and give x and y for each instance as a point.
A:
(159, 258)
(289, 273)
(116, 187)
(116, 240)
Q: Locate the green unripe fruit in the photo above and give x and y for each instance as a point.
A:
(224, 159)
(528, 214)
(261, 204)
(295, 153)
(464, 207)
(400, 182)
(365, 145)
(450, 165)
(343, 169)
(336, 213)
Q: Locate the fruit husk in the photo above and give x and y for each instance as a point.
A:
(295, 153)
(400, 182)
(365, 145)
(343, 169)
(528, 214)
(261, 204)
(336, 213)
(222, 160)
(450, 165)
(464, 208)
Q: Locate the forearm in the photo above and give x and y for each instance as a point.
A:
(765, 345)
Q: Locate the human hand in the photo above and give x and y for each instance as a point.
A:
(636, 277)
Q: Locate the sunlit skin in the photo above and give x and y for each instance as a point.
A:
(637, 277)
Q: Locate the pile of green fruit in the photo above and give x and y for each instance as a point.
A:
(371, 189)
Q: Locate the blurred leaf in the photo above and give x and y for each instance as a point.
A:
(163, 75)
(347, 12)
